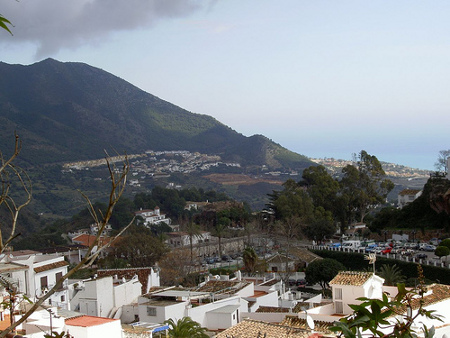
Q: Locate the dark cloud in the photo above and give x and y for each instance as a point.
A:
(56, 24)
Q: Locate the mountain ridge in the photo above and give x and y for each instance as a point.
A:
(72, 111)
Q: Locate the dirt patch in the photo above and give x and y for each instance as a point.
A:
(240, 179)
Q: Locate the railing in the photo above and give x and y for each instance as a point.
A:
(432, 262)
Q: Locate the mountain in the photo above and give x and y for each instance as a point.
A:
(72, 111)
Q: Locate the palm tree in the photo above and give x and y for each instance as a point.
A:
(219, 231)
(193, 230)
(185, 327)
(392, 275)
(250, 259)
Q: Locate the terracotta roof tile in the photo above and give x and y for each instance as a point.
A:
(129, 273)
(408, 192)
(294, 321)
(254, 328)
(86, 321)
(354, 278)
(50, 266)
(438, 294)
(220, 287)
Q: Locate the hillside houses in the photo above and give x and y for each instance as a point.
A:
(149, 217)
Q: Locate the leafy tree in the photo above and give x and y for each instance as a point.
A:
(139, 247)
(445, 242)
(392, 274)
(185, 328)
(364, 186)
(292, 201)
(323, 271)
(321, 187)
(442, 251)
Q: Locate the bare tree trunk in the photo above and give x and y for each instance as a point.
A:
(118, 182)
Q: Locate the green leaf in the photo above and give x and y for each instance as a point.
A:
(3, 24)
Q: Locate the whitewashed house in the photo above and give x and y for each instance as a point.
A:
(407, 196)
(152, 217)
(39, 273)
(93, 327)
(214, 305)
(104, 297)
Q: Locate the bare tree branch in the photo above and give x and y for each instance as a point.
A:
(118, 183)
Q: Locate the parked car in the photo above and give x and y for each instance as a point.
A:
(301, 283)
(429, 248)
(386, 250)
(421, 256)
(226, 258)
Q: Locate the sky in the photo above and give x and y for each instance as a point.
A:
(321, 78)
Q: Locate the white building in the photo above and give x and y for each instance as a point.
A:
(180, 238)
(152, 217)
(407, 196)
(38, 274)
(214, 305)
(104, 297)
(93, 327)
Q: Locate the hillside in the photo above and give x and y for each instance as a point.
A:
(67, 112)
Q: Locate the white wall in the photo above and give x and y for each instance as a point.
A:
(109, 330)
(127, 293)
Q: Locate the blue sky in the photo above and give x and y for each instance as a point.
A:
(322, 78)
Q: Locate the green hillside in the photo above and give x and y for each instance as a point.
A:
(72, 111)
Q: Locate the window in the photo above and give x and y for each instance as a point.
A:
(58, 276)
(339, 307)
(338, 293)
(151, 311)
(44, 282)
(63, 299)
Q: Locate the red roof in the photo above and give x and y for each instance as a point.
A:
(86, 321)
(87, 240)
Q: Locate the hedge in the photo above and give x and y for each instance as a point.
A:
(356, 262)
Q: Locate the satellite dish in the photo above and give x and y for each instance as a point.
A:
(310, 322)
(94, 249)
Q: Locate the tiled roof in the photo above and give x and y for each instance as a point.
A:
(50, 266)
(86, 321)
(220, 287)
(272, 309)
(142, 274)
(408, 192)
(438, 294)
(294, 321)
(255, 328)
(304, 254)
(354, 278)
(87, 240)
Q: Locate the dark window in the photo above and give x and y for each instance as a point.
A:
(58, 276)
(151, 311)
(44, 282)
